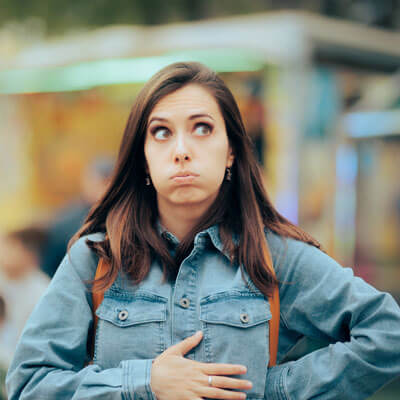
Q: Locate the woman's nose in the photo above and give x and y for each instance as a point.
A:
(181, 151)
(181, 157)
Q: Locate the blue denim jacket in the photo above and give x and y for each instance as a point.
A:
(319, 299)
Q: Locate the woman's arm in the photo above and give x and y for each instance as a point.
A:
(322, 300)
(51, 354)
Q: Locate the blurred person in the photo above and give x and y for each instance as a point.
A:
(188, 253)
(2, 311)
(253, 112)
(3, 352)
(21, 283)
(93, 183)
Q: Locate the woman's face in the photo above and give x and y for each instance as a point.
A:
(186, 147)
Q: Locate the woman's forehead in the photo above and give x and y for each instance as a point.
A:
(187, 101)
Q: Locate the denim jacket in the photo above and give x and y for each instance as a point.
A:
(319, 299)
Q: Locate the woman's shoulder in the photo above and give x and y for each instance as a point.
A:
(81, 248)
(279, 244)
(81, 257)
(292, 256)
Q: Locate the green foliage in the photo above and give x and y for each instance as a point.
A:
(61, 16)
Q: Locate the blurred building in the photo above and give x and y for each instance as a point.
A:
(319, 97)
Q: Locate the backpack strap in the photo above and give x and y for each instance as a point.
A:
(274, 327)
(274, 304)
(98, 297)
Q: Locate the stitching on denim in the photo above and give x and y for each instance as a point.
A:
(207, 344)
(96, 340)
(139, 294)
(284, 385)
(283, 319)
(130, 376)
(161, 329)
(146, 384)
(193, 317)
(125, 374)
(229, 294)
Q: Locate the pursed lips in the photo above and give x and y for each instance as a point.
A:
(184, 174)
(184, 177)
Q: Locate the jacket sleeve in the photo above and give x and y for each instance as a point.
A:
(49, 362)
(325, 301)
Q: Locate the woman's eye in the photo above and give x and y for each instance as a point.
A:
(160, 133)
(203, 129)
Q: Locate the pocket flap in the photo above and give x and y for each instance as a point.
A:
(239, 309)
(130, 310)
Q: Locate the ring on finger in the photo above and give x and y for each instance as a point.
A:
(209, 380)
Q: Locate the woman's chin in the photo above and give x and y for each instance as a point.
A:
(187, 196)
(187, 200)
(190, 197)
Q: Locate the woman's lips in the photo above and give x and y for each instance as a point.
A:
(184, 178)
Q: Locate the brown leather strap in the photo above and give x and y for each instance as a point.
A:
(273, 301)
(97, 297)
(274, 327)
(275, 312)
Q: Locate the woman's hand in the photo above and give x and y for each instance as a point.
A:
(174, 377)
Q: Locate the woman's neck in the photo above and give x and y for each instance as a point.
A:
(180, 220)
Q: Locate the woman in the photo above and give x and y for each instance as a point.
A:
(183, 226)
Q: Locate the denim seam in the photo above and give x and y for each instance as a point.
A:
(207, 344)
(279, 385)
(148, 379)
(192, 287)
(278, 389)
(146, 383)
(283, 318)
(284, 385)
(97, 340)
(229, 294)
(139, 294)
(161, 330)
(125, 383)
(130, 378)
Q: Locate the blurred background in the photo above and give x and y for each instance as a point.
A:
(317, 82)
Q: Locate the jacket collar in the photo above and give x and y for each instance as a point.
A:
(210, 233)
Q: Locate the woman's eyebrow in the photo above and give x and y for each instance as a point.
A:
(194, 116)
(200, 116)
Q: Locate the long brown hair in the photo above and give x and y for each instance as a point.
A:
(127, 212)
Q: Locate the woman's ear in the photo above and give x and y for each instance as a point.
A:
(231, 158)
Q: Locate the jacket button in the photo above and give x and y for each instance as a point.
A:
(123, 315)
(244, 317)
(184, 302)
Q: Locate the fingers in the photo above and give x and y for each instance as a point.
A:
(222, 369)
(214, 393)
(185, 345)
(229, 383)
(219, 383)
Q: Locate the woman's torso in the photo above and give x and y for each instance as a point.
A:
(209, 294)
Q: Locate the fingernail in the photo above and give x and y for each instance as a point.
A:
(198, 333)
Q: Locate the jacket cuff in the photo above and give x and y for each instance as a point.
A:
(136, 375)
(275, 384)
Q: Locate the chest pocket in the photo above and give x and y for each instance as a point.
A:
(130, 326)
(236, 331)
